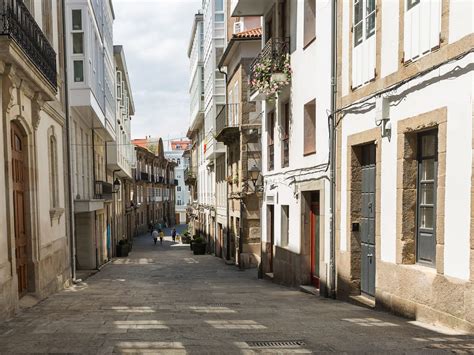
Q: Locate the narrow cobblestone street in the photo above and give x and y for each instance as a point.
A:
(163, 299)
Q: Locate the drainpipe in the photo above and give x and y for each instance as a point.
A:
(332, 261)
(227, 251)
(68, 151)
(95, 212)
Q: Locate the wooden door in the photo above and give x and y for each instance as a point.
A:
(314, 237)
(271, 234)
(19, 188)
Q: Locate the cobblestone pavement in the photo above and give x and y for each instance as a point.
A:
(163, 299)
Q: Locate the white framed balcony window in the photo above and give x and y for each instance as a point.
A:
(364, 43)
(422, 27)
(77, 38)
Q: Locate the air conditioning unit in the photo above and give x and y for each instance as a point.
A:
(238, 27)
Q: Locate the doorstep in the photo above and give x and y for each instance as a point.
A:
(309, 289)
(269, 275)
(363, 300)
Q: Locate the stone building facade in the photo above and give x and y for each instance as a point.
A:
(238, 126)
(34, 244)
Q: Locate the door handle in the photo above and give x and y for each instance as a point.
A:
(370, 255)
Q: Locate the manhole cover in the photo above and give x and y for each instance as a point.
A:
(285, 344)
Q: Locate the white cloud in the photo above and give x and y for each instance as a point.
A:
(155, 35)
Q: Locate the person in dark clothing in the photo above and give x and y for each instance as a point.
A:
(173, 235)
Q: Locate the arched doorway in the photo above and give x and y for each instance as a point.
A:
(19, 178)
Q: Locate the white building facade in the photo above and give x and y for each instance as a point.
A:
(120, 154)
(92, 87)
(404, 160)
(182, 194)
(295, 207)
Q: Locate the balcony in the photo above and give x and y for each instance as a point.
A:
(18, 25)
(190, 176)
(250, 7)
(270, 72)
(103, 190)
(227, 123)
(213, 148)
(144, 176)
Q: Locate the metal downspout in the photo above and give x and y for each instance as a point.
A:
(70, 199)
(332, 262)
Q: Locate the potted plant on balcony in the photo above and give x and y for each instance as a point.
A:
(122, 248)
(199, 246)
(270, 76)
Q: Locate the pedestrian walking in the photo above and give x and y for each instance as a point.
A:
(173, 235)
(161, 236)
(155, 235)
(150, 227)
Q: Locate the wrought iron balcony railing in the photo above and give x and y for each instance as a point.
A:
(228, 121)
(190, 176)
(272, 57)
(144, 176)
(103, 190)
(17, 23)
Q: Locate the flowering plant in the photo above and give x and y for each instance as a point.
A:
(263, 79)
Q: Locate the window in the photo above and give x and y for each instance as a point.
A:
(285, 142)
(178, 188)
(309, 22)
(364, 20)
(271, 147)
(47, 11)
(285, 216)
(219, 11)
(53, 170)
(426, 202)
(76, 20)
(78, 71)
(78, 43)
(77, 46)
(310, 127)
(178, 161)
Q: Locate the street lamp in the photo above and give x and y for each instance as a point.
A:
(116, 185)
(254, 173)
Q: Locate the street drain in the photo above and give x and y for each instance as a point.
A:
(285, 344)
(222, 304)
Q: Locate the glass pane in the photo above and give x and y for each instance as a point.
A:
(219, 5)
(78, 71)
(370, 30)
(426, 217)
(427, 169)
(357, 12)
(370, 6)
(219, 18)
(427, 194)
(76, 20)
(78, 43)
(357, 34)
(428, 145)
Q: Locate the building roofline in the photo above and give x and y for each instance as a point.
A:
(197, 18)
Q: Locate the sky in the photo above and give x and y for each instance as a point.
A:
(155, 35)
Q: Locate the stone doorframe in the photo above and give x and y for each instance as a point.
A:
(354, 182)
(407, 176)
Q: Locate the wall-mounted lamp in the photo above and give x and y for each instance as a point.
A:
(382, 116)
(254, 173)
(116, 185)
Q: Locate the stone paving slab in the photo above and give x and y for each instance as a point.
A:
(164, 300)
